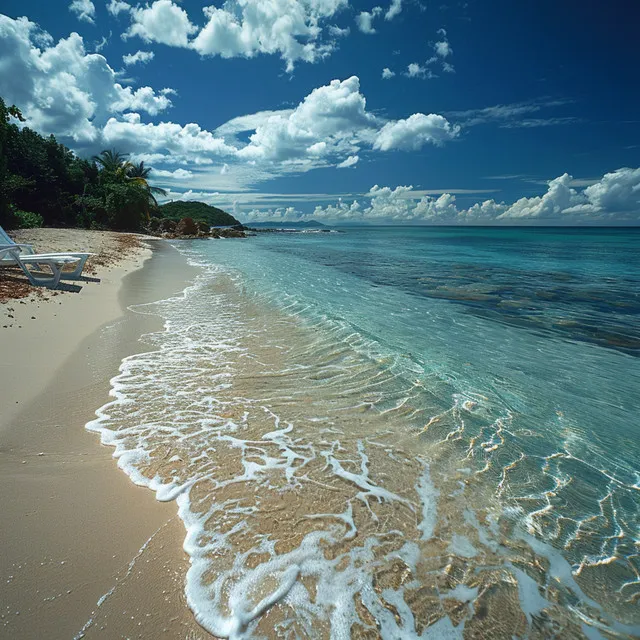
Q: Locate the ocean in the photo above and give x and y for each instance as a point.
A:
(398, 432)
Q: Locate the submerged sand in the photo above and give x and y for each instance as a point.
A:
(74, 527)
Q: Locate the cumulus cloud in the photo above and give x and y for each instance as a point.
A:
(616, 192)
(415, 132)
(387, 74)
(163, 22)
(188, 143)
(116, 7)
(330, 120)
(351, 161)
(142, 99)
(75, 95)
(364, 20)
(85, 10)
(242, 28)
(415, 70)
(443, 48)
(60, 87)
(178, 174)
(290, 28)
(613, 199)
(141, 57)
(394, 9)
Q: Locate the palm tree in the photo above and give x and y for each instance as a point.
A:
(138, 173)
(113, 162)
(119, 169)
(138, 170)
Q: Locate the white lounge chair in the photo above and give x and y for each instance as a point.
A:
(12, 253)
(54, 262)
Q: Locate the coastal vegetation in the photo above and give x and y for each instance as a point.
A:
(44, 183)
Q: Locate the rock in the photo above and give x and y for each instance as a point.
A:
(187, 227)
(231, 233)
(203, 228)
(167, 225)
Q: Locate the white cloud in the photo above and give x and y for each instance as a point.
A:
(415, 132)
(249, 122)
(85, 10)
(180, 144)
(394, 9)
(443, 48)
(351, 161)
(364, 20)
(614, 199)
(142, 99)
(224, 170)
(415, 70)
(338, 32)
(60, 87)
(243, 28)
(163, 22)
(249, 27)
(616, 192)
(141, 57)
(178, 174)
(387, 74)
(334, 115)
(116, 7)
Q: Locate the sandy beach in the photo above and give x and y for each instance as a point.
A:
(75, 528)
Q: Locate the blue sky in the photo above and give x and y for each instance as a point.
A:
(488, 112)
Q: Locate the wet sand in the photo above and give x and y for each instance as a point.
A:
(74, 527)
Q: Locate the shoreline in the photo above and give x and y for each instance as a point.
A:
(76, 529)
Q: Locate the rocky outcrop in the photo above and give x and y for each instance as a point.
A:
(188, 229)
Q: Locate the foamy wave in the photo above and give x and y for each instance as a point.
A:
(325, 491)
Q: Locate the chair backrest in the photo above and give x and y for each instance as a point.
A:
(4, 238)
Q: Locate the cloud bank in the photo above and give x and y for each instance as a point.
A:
(614, 199)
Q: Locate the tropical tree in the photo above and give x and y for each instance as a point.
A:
(113, 162)
(41, 179)
(138, 173)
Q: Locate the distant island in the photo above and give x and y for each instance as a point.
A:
(299, 224)
(198, 211)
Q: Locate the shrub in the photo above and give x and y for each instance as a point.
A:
(27, 219)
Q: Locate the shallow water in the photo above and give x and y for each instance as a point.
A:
(399, 432)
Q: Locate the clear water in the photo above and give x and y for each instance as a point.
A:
(455, 406)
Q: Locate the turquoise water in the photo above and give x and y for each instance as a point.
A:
(398, 432)
(542, 324)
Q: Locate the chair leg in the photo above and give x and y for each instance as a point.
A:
(77, 272)
(48, 281)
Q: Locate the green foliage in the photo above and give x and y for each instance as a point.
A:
(27, 219)
(126, 206)
(37, 174)
(199, 211)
